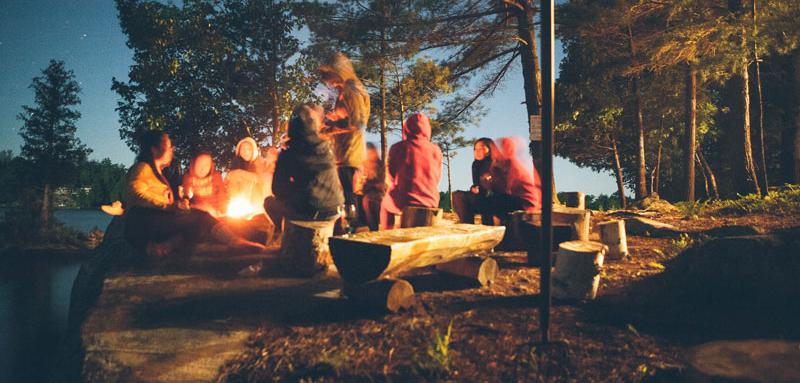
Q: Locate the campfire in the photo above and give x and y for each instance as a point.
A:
(242, 208)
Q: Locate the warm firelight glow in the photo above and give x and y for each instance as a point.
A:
(240, 207)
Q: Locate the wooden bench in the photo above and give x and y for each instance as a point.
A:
(524, 228)
(364, 258)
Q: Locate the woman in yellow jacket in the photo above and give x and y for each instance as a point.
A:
(153, 218)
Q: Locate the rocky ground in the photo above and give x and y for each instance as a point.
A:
(681, 286)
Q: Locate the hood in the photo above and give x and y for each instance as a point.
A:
(417, 126)
(303, 127)
(248, 141)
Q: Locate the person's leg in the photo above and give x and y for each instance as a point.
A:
(276, 211)
(372, 210)
(464, 206)
(502, 205)
(346, 174)
(388, 210)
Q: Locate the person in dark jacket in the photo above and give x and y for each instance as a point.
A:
(415, 168)
(306, 184)
(373, 187)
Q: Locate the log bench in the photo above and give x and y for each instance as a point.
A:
(569, 224)
(364, 258)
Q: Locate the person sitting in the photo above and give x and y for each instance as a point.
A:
(203, 186)
(154, 220)
(415, 168)
(373, 187)
(501, 184)
(250, 178)
(306, 185)
(522, 183)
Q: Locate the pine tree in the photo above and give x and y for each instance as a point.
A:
(48, 132)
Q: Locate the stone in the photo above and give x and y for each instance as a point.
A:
(750, 361)
(650, 228)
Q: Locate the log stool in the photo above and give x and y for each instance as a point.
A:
(575, 200)
(304, 246)
(480, 269)
(387, 294)
(612, 234)
(416, 216)
(578, 265)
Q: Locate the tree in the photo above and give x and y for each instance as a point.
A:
(447, 133)
(48, 133)
(212, 72)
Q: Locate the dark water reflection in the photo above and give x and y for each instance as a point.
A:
(34, 302)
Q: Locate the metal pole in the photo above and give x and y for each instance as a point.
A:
(548, 31)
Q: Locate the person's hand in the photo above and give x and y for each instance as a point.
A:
(183, 204)
(474, 189)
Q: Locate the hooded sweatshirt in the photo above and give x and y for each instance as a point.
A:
(305, 175)
(520, 182)
(415, 166)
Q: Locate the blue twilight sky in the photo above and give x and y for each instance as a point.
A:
(85, 34)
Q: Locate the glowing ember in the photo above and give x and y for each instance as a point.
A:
(240, 207)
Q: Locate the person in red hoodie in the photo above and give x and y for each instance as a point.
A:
(522, 182)
(415, 168)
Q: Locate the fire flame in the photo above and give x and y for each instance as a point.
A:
(240, 207)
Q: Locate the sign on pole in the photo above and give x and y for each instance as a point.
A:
(535, 127)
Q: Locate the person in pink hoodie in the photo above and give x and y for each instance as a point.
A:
(415, 168)
(522, 182)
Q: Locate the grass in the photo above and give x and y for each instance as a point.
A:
(676, 246)
(785, 200)
(438, 353)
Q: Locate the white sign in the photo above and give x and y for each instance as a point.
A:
(535, 126)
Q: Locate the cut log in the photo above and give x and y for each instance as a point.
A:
(385, 294)
(578, 219)
(304, 246)
(578, 265)
(415, 216)
(524, 231)
(612, 234)
(367, 256)
(575, 200)
(480, 269)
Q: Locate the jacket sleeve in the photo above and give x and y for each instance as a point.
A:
(394, 160)
(280, 181)
(145, 190)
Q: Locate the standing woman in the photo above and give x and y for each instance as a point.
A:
(154, 221)
(346, 123)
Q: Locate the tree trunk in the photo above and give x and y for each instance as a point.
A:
(618, 172)
(531, 77)
(764, 180)
(448, 157)
(749, 181)
(655, 175)
(276, 119)
(704, 175)
(44, 213)
(641, 185)
(712, 179)
(384, 130)
(690, 131)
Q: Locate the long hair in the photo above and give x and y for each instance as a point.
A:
(355, 98)
(495, 156)
(147, 141)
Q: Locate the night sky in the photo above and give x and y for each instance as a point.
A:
(86, 36)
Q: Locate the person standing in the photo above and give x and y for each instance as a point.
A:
(345, 124)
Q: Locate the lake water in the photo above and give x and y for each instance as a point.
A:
(34, 302)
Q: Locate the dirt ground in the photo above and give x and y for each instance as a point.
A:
(459, 332)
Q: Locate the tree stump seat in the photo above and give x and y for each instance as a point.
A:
(417, 216)
(304, 246)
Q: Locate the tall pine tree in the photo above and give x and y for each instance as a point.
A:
(48, 132)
